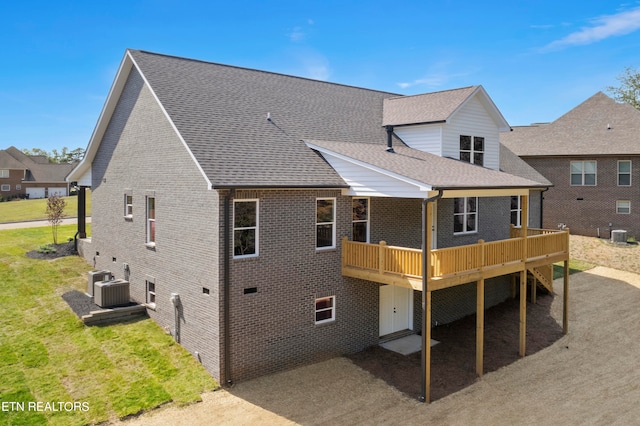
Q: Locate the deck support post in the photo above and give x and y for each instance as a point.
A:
(427, 220)
(523, 313)
(565, 298)
(480, 328)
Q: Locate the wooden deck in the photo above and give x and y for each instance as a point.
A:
(453, 266)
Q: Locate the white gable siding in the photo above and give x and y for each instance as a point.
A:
(365, 182)
(472, 120)
(426, 137)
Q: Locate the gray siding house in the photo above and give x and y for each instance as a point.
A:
(239, 190)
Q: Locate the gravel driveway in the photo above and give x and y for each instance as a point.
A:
(590, 376)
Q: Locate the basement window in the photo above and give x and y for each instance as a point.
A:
(623, 207)
(325, 310)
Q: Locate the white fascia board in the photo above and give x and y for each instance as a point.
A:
(173, 126)
(405, 187)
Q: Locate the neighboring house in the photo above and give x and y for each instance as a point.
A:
(31, 176)
(262, 201)
(592, 156)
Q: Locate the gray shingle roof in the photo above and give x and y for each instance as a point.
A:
(598, 126)
(221, 112)
(438, 172)
(425, 108)
(38, 170)
(514, 165)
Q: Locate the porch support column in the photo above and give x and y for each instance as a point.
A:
(480, 328)
(82, 212)
(427, 220)
(565, 301)
(427, 217)
(523, 312)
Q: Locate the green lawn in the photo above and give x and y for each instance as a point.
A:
(574, 266)
(21, 210)
(48, 355)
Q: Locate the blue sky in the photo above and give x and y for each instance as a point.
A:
(536, 59)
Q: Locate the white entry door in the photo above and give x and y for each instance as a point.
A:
(396, 309)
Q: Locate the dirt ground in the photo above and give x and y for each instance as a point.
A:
(590, 376)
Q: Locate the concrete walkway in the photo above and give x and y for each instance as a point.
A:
(38, 223)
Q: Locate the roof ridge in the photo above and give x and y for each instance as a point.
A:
(263, 71)
(435, 93)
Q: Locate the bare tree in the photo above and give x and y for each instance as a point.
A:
(629, 89)
(55, 214)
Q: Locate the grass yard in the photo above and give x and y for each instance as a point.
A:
(47, 355)
(23, 210)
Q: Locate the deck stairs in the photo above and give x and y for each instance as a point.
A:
(543, 276)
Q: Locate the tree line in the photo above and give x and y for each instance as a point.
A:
(58, 157)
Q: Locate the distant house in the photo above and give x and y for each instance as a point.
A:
(592, 156)
(31, 176)
(290, 217)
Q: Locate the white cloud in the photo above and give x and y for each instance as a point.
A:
(297, 35)
(437, 76)
(602, 28)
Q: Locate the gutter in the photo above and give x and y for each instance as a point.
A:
(425, 272)
(227, 286)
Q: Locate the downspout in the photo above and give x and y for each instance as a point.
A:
(542, 206)
(227, 285)
(425, 272)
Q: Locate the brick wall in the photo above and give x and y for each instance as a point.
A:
(141, 154)
(587, 209)
(15, 178)
(274, 327)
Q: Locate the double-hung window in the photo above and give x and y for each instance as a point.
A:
(465, 215)
(151, 291)
(516, 210)
(623, 207)
(472, 149)
(583, 173)
(361, 220)
(624, 173)
(245, 228)
(151, 221)
(128, 205)
(325, 223)
(325, 309)
(4, 173)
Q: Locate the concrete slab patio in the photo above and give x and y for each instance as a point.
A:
(590, 376)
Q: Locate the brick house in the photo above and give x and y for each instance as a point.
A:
(591, 155)
(31, 176)
(249, 194)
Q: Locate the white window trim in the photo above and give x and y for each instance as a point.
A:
(628, 206)
(150, 243)
(368, 215)
(630, 170)
(128, 207)
(472, 149)
(595, 173)
(518, 209)
(333, 223)
(332, 309)
(4, 173)
(465, 214)
(150, 293)
(5, 187)
(257, 227)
